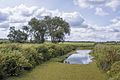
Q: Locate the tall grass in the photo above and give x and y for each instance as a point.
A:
(108, 59)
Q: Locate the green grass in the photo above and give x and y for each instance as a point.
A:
(53, 70)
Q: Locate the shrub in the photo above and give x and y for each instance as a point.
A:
(13, 46)
(115, 69)
(117, 77)
(32, 56)
(12, 63)
(42, 49)
(56, 50)
(106, 55)
(108, 59)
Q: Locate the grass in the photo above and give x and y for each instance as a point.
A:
(54, 70)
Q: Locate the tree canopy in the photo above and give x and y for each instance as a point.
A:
(38, 30)
(17, 35)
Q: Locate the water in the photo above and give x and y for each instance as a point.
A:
(80, 57)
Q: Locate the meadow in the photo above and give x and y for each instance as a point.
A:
(45, 61)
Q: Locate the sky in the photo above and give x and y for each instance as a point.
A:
(90, 20)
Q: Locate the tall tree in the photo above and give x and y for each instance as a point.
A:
(17, 35)
(38, 28)
(11, 34)
(57, 28)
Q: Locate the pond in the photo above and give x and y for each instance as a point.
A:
(79, 57)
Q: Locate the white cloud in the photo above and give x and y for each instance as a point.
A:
(110, 32)
(115, 20)
(89, 3)
(95, 33)
(114, 4)
(18, 19)
(115, 23)
(82, 3)
(41, 12)
(23, 10)
(22, 14)
(74, 18)
(100, 12)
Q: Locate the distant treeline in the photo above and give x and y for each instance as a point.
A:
(5, 40)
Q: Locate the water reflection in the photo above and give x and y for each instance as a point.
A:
(80, 57)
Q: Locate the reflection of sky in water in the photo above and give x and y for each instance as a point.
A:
(80, 57)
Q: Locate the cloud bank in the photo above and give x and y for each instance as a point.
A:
(22, 14)
(80, 30)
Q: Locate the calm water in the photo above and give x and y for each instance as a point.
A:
(80, 57)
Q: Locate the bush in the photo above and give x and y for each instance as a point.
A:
(108, 59)
(115, 69)
(55, 50)
(42, 49)
(106, 55)
(13, 46)
(33, 57)
(117, 77)
(12, 63)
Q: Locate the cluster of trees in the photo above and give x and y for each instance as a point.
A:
(38, 30)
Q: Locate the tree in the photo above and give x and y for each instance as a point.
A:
(25, 29)
(57, 28)
(17, 35)
(54, 27)
(38, 28)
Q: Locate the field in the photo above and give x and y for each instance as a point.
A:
(44, 61)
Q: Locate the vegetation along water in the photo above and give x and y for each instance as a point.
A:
(30, 55)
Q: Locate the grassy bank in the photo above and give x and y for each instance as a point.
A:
(15, 58)
(54, 70)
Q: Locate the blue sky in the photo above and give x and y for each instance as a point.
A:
(90, 20)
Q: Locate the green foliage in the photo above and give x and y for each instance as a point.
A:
(44, 50)
(117, 77)
(115, 69)
(32, 56)
(106, 55)
(17, 35)
(57, 28)
(39, 29)
(16, 58)
(11, 63)
(108, 59)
